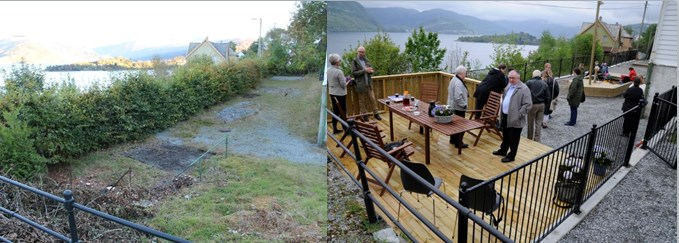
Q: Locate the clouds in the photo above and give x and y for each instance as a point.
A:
(567, 13)
(155, 22)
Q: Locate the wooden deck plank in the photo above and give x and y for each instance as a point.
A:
(476, 161)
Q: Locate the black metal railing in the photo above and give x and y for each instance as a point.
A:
(661, 132)
(71, 206)
(541, 193)
(464, 214)
(561, 66)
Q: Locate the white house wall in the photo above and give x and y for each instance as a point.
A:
(665, 44)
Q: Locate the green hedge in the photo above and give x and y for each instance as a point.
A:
(66, 123)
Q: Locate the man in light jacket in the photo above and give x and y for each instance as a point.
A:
(457, 99)
(516, 102)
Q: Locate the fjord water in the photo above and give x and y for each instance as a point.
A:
(338, 42)
(82, 79)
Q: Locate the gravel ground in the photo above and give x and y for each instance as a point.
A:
(630, 212)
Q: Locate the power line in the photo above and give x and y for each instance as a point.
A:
(570, 7)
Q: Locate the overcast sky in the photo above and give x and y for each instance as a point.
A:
(568, 13)
(155, 23)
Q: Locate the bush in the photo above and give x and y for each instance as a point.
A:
(17, 155)
(65, 123)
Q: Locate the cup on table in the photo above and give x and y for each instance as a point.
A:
(417, 113)
(388, 102)
(396, 95)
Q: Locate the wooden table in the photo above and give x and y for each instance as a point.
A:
(459, 124)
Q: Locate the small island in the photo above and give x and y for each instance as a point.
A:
(116, 64)
(520, 38)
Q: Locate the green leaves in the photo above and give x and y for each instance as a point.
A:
(422, 51)
(383, 54)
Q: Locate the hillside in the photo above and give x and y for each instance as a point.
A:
(348, 16)
(352, 16)
(42, 52)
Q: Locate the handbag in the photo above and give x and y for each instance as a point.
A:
(582, 100)
(552, 105)
(389, 146)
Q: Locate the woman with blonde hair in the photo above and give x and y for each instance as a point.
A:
(337, 87)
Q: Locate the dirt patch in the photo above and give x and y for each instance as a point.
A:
(165, 156)
(238, 111)
(268, 220)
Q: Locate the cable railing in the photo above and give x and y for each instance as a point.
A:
(464, 214)
(661, 133)
(71, 206)
(541, 193)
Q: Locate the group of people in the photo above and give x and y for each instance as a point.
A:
(361, 71)
(530, 103)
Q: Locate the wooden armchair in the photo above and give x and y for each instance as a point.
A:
(372, 132)
(346, 132)
(489, 116)
(429, 91)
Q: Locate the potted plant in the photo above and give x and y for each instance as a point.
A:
(601, 163)
(443, 114)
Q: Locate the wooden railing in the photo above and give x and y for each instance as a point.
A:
(390, 84)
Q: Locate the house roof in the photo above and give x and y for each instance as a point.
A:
(613, 29)
(222, 48)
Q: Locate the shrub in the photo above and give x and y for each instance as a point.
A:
(17, 155)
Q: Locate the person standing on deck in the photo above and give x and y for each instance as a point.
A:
(516, 102)
(457, 99)
(494, 81)
(362, 72)
(337, 86)
(540, 98)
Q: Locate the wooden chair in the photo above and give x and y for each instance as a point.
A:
(429, 91)
(372, 132)
(489, 116)
(346, 133)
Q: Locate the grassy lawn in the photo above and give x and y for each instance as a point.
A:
(253, 200)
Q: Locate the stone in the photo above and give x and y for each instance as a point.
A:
(386, 235)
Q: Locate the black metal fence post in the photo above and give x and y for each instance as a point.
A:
(68, 205)
(560, 66)
(633, 133)
(652, 120)
(369, 206)
(588, 163)
(462, 218)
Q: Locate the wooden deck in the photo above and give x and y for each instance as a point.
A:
(475, 161)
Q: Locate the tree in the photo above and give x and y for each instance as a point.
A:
(160, 68)
(582, 46)
(422, 51)
(308, 33)
(383, 54)
(647, 38)
(508, 54)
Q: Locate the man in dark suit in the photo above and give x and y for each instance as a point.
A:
(516, 102)
(494, 81)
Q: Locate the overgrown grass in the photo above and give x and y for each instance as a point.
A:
(216, 213)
